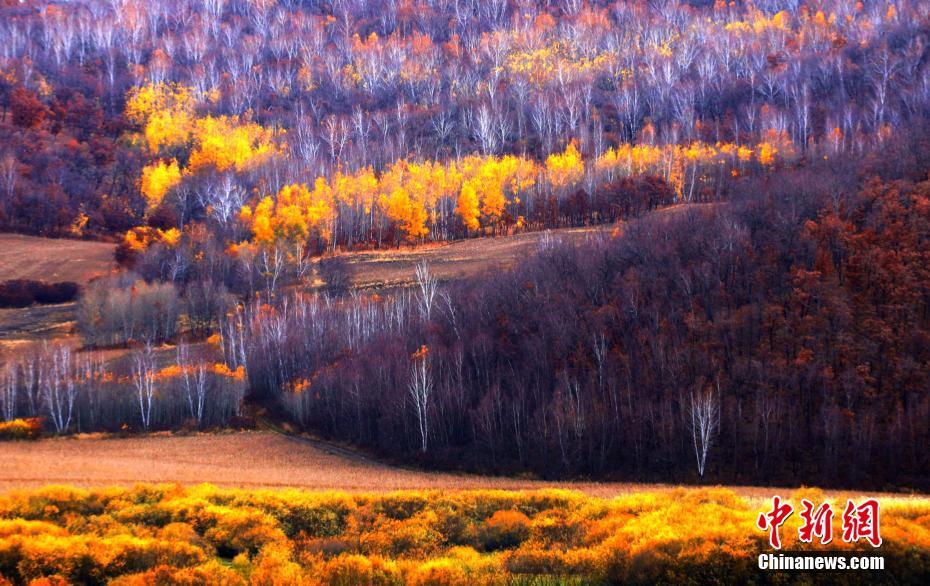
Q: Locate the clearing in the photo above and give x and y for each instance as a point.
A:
(384, 268)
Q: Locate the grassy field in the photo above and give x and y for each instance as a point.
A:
(253, 459)
(463, 258)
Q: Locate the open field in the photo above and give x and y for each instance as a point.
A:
(53, 259)
(39, 322)
(256, 459)
(251, 459)
(29, 257)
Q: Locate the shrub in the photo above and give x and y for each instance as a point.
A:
(15, 294)
(505, 530)
(23, 293)
(674, 536)
(21, 429)
(441, 572)
(56, 292)
(349, 570)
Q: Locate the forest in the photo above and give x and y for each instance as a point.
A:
(758, 313)
(349, 123)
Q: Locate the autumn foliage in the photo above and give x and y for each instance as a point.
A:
(169, 534)
(796, 317)
(110, 111)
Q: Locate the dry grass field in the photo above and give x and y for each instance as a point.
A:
(53, 259)
(252, 459)
(464, 258)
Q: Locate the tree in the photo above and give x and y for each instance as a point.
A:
(143, 380)
(467, 206)
(427, 287)
(57, 381)
(157, 180)
(420, 390)
(705, 422)
(26, 108)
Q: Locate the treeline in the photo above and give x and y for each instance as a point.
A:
(777, 339)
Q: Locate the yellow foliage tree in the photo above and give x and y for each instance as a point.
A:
(407, 212)
(566, 168)
(157, 180)
(228, 143)
(166, 112)
(467, 206)
(294, 215)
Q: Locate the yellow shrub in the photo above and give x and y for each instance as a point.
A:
(349, 570)
(505, 530)
(168, 534)
(440, 572)
(19, 429)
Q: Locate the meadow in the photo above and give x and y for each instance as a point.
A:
(169, 534)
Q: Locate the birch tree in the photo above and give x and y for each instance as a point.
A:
(420, 389)
(143, 380)
(427, 287)
(705, 422)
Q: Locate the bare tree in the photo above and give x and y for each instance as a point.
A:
(58, 388)
(195, 382)
(143, 379)
(705, 422)
(420, 389)
(428, 286)
(8, 392)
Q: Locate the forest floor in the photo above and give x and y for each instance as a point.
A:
(253, 459)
